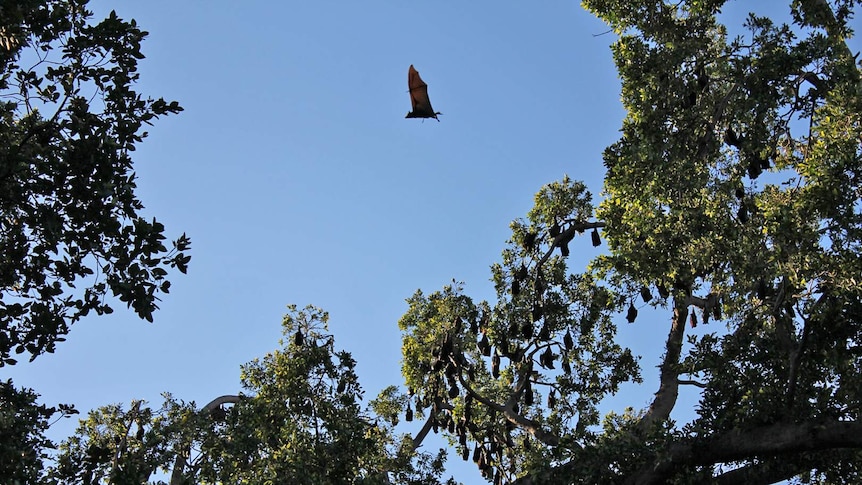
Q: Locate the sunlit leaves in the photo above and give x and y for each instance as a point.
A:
(529, 369)
(300, 420)
(734, 192)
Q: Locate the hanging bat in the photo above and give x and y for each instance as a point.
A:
(419, 97)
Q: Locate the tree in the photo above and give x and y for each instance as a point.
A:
(731, 207)
(70, 231)
(23, 445)
(299, 420)
(736, 200)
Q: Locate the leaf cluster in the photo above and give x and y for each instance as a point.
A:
(71, 232)
(515, 386)
(23, 445)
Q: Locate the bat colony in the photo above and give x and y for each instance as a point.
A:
(419, 97)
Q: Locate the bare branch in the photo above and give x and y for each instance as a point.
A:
(761, 441)
(760, 474)
(420, 436)
(668, 391)
(687, 382)
(226, 399)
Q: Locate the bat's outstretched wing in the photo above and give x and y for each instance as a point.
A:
(419, 97)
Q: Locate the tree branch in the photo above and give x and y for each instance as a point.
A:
(506, 410)
(182, 455)
(691, 382)
(121, 447)
(738, 445)
(760, 474)
(567, 235)
(665, 398)
(795, 359)
(226, 399)
(420, 436)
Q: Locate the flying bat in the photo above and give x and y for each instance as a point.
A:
(419, 97)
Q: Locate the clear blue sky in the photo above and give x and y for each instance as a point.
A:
(298, 179)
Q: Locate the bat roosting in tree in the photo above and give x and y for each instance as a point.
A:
(419, 97)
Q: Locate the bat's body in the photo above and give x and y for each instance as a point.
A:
(419, 97)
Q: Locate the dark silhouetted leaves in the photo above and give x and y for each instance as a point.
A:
(71, 235)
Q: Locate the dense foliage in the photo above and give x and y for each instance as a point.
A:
(23, 446)
(70, 231)
(734, 200)
(299, 420)
(731, 205)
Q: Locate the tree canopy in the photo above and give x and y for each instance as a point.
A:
(70, 229)
(298, 420)
(730, 206)
(733, 200)
(71, 236)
